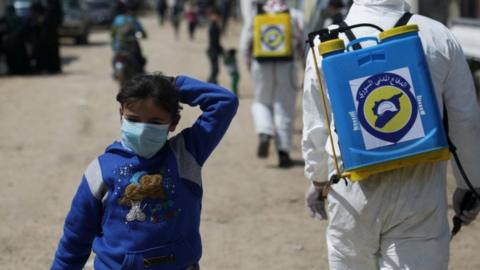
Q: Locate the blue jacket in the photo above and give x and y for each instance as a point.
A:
(133, 211)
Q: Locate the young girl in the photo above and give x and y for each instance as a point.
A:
(138, 204)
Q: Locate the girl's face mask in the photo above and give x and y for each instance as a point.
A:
(145, 139)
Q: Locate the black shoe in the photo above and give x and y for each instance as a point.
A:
(284, 160)
(263, 145)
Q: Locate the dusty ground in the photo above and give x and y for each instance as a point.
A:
(52, 126)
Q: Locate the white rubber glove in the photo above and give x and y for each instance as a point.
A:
(314, 202)
(467, 216)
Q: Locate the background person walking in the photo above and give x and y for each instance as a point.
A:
(162, 11)
(191, 15)
(270, 55)
(395, 219)
(215, 49)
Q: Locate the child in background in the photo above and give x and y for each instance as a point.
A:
(138, 204)
(192, 19)
(125, 30)
(215, 49)
(162, 10)
(230, 61)
(176, 17)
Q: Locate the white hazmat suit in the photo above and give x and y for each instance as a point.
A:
(396, 219)
(275, 82)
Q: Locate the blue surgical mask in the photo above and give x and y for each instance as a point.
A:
(143, 138)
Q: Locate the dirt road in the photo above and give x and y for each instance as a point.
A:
(53, 126)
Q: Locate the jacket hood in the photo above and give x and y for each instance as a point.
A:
(118, 148)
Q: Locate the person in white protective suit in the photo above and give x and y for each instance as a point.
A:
(395, 219)
(275, 87)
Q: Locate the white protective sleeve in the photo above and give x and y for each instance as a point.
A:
(245, 46)
(463, 113)
(315, 133)
(297, 31)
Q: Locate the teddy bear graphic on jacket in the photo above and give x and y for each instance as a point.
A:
(142, 186)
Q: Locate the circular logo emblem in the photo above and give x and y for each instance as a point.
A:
(272, 37)
(387, 108)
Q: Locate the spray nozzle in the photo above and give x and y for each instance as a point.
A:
(469, 201)
(324, 34)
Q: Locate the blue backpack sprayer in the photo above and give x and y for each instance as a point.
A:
(384, 105)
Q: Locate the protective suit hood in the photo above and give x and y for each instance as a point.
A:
(362, 11)
(391, 3)
(275, 6)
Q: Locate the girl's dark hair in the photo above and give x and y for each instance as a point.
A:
(157, 86)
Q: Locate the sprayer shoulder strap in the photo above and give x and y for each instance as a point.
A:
(451, 145)
(404, 19)
(445, 118)
(351, 36)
